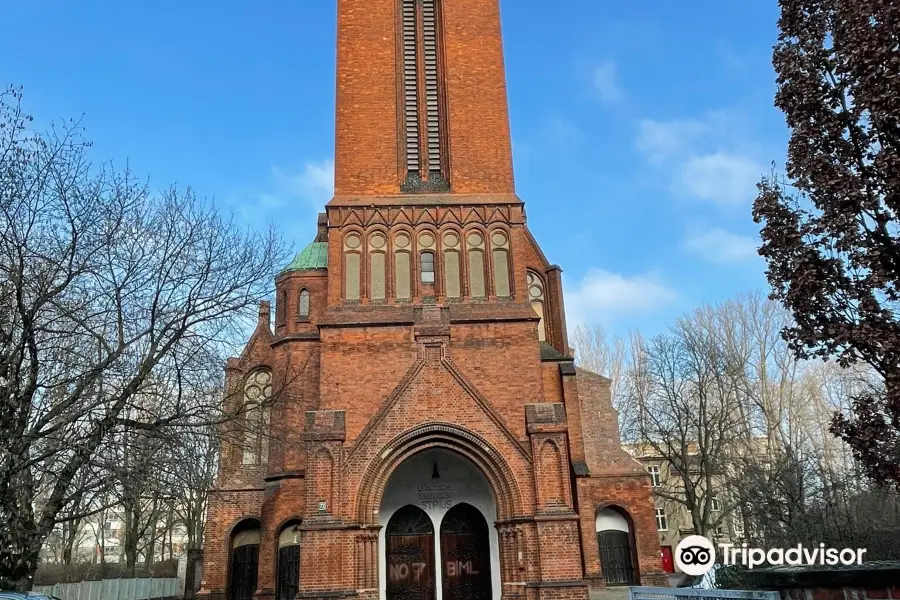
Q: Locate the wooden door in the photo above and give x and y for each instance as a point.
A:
(288, 572)
(244, 568)
(616, 557)
(409, 542)
(465, 554)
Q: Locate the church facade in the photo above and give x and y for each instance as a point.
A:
(411, 422)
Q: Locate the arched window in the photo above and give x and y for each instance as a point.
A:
(288, 580)
(536, 296)
(402, 286)
(426, 258)
(303, 304)
(500, 254)
(377, 281)
(352, 249)
(475, 244)
(257, 394)
(452, 288)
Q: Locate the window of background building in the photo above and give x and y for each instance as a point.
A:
(662, 521)
(654, 475)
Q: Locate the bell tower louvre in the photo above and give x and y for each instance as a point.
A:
(421, 100)
(410, 422)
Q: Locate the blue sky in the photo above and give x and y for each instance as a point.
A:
(639, 128)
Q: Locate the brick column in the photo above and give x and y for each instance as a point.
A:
(557, 523)
(327, 546)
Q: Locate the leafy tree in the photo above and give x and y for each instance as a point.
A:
(830, 228)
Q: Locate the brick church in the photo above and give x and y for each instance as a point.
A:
(412, 425)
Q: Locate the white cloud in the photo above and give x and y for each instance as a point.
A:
(720, 246)
(606, 82)
(660, 140)
(709, 159)
(602, 294)
(313, 184)
(722, 178)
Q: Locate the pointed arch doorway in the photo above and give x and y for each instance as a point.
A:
(438, 502)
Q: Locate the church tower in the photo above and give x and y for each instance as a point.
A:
(412, 425)
(421, 100)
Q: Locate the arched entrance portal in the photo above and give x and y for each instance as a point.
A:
(435, 491)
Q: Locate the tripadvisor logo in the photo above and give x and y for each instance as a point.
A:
(696, 555)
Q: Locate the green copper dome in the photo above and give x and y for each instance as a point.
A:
(314, 256)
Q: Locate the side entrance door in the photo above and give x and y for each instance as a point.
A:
(244, 568)
(616, 557)
(668, 561)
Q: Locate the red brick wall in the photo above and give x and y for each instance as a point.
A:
(632, 495)
(366, 146)
(360, 369)
(366, 149)
(480, 145)
(226, 508)
(616, 479)
(600, 429)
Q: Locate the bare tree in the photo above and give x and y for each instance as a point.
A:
(194, 467)
(109, 293)
(686, 388)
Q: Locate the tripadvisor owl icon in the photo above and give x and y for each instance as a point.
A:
(695, 555)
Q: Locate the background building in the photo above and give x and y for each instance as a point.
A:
(673, 514)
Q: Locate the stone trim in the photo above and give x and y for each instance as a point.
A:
(572, 583)
(439, 435)
(312, 336)
(301, 474)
